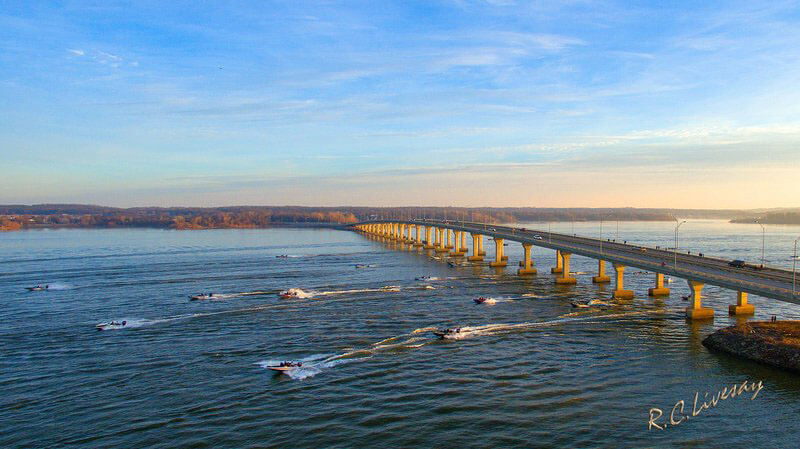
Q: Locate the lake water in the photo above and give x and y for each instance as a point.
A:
(531, 372)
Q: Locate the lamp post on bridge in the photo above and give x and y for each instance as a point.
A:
(763, 231)
(601, 232)
(675, 249)
(794, 265)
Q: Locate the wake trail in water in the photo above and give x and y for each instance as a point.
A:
(315, 364)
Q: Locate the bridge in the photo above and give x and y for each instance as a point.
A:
(449, 238)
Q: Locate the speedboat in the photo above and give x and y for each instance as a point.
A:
(111, 325)
(201, 296)
(282, 256)
(480, 300)
(447, 333)
(292, 293)
(285, 366)
(361, 265)
(579, 305)
(37, 288)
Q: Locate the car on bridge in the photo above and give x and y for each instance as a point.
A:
(537, 237)
(737, 263)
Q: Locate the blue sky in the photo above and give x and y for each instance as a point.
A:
(470, 103)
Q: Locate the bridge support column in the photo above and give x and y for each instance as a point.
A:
(477, 242)
(741, 307)
(528, 267)
(498, 262)
(463, 248)
(558, 268)
(428, 236)
(565, 278)
(601, 277)
(449, 241)
(619, 289)
(696, 311)
(403, 237)
(440, 248)
(418, 230)
(457, 249)
(659, 289)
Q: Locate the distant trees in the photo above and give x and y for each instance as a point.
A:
(71, 215)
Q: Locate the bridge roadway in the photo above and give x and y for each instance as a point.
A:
(767, 282)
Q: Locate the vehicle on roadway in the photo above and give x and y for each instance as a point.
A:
(737, 263)
(537, 237)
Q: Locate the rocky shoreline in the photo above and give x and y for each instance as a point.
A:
(772, 343)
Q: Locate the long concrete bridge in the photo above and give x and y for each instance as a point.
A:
(449, 237)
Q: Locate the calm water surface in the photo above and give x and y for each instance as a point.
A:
(532, 372)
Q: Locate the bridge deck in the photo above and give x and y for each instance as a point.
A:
(768, 282)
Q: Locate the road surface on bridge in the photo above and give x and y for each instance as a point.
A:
(768, 282)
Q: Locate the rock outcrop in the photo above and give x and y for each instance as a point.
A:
(771, 343)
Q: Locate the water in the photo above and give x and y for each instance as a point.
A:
(530, 370)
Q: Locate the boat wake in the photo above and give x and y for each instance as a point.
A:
(315, 364)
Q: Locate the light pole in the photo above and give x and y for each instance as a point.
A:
(762, 241)
(601, 235)
(549, 237)
(794, 265)
(617, 230)
(675, 249)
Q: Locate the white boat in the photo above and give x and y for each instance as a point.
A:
(111, 325)
(37, 288)
(201, 296)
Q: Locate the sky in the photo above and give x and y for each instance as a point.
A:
(391, 103)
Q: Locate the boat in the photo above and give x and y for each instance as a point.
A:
(422, 278)
(111, 325)
(201, 296)
(37, 288)
(578, 305)
(447, 333)
(480, 300)
(451, 264)
(361, 265)
(282, 256)
(292, 293)
(285, 366)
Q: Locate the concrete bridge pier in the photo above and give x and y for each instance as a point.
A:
(527, 268)
(457, 249)
(498, 262)
(428, 236)
(449, 241)
(558, 268)
(601, 277)
(463, 248)
(741, 307)
(565, 278)
(477, 242)
(659, 289)
(418, 230)
(696, 311)
(619, 290)
(440, 247)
